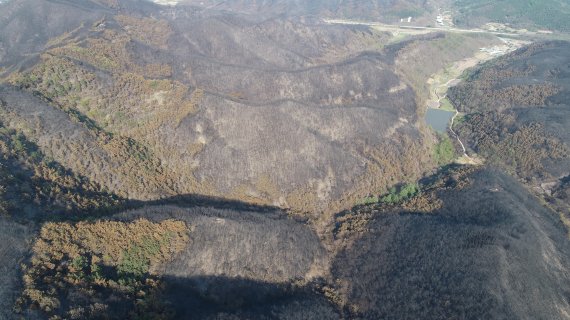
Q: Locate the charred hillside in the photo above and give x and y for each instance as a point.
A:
(224, 160)
(471, 242)
(517, 117)
(490, 250)
(167, 262)
(282, 112)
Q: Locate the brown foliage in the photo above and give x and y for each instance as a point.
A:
(356, 221)
(147, 30)
(68, 275)
(519, 148)
(27, 177)
(128, 110)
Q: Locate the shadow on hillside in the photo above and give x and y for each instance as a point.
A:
(33, 212)
(206, 296)
(186, 201)
(196, 200)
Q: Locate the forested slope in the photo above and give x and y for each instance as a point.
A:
(171, 162)
(489, 249)
(517, 116)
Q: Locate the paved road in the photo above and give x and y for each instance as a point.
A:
(447, 29)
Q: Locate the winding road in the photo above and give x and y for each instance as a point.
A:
(457, 136)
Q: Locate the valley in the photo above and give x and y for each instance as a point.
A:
(281, 160)
(449, 77)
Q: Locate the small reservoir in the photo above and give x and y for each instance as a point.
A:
(439, 119)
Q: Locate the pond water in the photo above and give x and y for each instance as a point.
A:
(438, 119)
